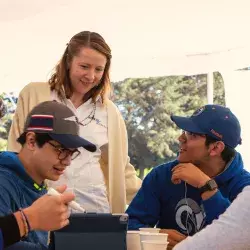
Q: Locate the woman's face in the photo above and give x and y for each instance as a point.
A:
(86, 70)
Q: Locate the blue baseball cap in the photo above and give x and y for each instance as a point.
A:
(213, 120)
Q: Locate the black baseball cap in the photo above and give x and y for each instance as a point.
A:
(59, 122)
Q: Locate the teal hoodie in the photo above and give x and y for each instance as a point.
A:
(18, 190)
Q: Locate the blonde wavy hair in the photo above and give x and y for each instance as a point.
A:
(60, 80)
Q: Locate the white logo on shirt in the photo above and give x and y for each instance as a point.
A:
(71, 118)
(190, 217)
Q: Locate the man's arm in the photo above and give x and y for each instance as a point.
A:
(144, 210)
(214, 206)
(10, 230)
(7, 209)
(235, 187)
(46, 213)
(213, 201)
(1, 240)
(230, 231)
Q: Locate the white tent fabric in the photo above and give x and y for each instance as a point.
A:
(148, 38)
(237, 98)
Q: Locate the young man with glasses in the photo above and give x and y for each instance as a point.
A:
(49, 143)
(183, 196)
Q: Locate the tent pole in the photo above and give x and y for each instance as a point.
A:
(210, 88)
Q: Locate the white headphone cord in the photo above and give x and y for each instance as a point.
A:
(188, 216)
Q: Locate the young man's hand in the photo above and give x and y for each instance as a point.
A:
(50, 212)
(189, 173)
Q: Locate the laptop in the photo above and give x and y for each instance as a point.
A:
(92, 231)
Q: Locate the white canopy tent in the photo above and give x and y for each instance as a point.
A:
(148, 38)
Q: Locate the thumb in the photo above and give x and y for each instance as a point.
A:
(61, 188)
(67, 197)
(176, 181)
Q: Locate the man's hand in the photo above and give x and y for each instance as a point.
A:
(174, 237)
(190, 174)
(50, 212)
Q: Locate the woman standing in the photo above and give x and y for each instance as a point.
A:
(105, 180)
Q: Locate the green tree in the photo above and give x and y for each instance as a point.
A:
(5, 123)
(147, 104)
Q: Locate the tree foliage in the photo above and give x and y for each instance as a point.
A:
(5, 123)
(146, 105)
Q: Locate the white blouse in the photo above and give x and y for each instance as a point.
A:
(84, 176)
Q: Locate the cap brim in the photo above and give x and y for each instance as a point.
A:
(187, 124)
(73, 141)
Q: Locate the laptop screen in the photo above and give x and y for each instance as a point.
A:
(92, 232)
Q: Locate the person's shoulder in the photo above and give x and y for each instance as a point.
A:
(167, 166)
(236, 166)
(7, 159)
(111, 105)
(114, 111)
(8, 180)
(34, 87)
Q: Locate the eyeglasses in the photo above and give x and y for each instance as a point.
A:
(192, 135)
(63, 153)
